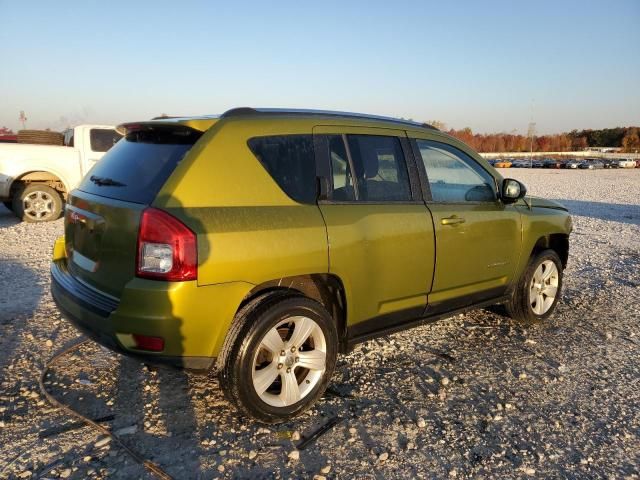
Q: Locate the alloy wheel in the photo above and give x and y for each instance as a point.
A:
(38, 205)
(289, 362)
(543, 287)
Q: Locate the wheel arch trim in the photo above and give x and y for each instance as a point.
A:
(325, 288)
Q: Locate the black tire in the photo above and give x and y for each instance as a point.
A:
(519, 307)
(236, 361)
(8, 204)
(50, 199)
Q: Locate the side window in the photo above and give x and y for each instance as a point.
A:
(380, 168)
(343, 189)
(103, 139)
(455, 177)
(290, 162)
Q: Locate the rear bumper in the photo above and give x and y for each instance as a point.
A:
(192, 320)
(90, 312)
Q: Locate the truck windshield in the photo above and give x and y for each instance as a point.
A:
(137, 166)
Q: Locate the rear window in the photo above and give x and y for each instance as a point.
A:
(290, 162)
(136, 167)
(102, 139)
(68, 138)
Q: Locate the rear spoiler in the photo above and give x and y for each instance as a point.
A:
(198, 124)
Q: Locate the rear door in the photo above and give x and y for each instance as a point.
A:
(380, 234)
(478, 238)
(102, 215)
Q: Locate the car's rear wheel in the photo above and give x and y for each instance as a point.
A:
(37, 202)
(537, 292)
(278, 357)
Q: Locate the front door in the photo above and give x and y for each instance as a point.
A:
(478, 238)
(380, 235)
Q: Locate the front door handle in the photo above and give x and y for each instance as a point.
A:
(452, 220)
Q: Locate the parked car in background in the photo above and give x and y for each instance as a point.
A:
(520, 163)
(638, 163)
(502, 164)
(609, 163)
(552, 163)
(537, 163)
(267, 242)
(626, 164)
(571, 164)
(591, 165)
(35, 179)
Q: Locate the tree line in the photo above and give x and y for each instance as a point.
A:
(627, 138)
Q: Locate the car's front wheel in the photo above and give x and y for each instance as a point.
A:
(278, 357)
(535, 296)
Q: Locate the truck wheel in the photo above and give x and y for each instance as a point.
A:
(278, 357)
(37, 202)
(537, 292)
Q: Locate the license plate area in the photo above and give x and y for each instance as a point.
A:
(84, 233)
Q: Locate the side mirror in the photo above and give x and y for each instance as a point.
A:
(512, 190)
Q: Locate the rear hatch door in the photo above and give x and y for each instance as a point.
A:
(103, 214)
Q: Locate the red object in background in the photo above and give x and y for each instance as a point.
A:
(8, 138)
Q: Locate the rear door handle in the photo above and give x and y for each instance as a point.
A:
(452, 220)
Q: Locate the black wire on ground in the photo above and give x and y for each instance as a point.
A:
(149, 465)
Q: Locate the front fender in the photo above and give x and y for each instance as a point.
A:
(539, 223)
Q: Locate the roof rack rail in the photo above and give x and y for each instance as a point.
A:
(240, 111)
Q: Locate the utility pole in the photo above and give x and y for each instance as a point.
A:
(23, 119)
(531, 132)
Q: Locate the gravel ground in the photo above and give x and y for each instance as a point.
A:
(470, 396)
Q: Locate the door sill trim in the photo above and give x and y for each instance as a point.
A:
(355, 337)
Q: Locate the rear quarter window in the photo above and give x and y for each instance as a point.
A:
(290, 161)
(137, 167)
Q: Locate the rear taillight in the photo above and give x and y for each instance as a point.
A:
(167, 249)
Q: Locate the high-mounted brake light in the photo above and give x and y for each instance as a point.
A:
(167, 248)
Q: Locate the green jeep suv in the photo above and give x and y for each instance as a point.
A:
(266, 242)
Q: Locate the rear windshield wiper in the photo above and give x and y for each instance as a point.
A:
(105, 182)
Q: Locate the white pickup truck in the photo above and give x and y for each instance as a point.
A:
(35, 179)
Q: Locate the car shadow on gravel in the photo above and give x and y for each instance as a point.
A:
(604, 211)
(7, 218)
(157, 404)
(20, 294)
